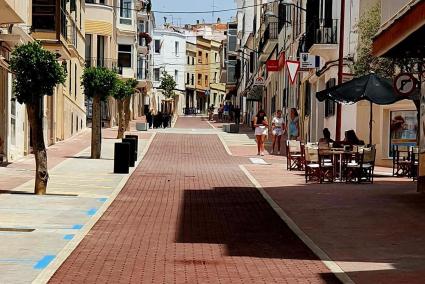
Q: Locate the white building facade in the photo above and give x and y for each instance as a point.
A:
(169, 55)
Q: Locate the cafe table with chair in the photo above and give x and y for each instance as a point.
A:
(328, 162)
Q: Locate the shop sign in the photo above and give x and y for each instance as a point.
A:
(272, 65)
(308, 61)
(281, 61)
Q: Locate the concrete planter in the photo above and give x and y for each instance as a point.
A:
(141, 126)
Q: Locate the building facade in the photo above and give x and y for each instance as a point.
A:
(169, 55)
(15, 19)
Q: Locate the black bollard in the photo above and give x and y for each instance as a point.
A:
(132, 143)
(137, 144)
(121, 158)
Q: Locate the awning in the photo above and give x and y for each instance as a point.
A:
(403, 33)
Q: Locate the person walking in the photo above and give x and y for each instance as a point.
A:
(220, 113)
(261, 130)
(277, 130)
(226, 112)
(294, 126)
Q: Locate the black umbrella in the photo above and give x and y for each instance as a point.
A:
(369, 87)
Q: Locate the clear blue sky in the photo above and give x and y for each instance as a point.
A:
(192, 5)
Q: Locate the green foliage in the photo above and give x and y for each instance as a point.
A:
(366, 63)
(36, 71)
(167, 84)
(99, 81)
(124, 89)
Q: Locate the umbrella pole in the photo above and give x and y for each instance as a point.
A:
(370, 123)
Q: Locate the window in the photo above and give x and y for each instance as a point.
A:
(192, 80)
(199, 56)
(206, 81)
(43, 14)
(215, 57)
(176, 48)
(124, 55)
(199, 79)
(88, 50)
(330, 105)
(125, 12)
(156, 74)
(13, 121)
(215, 77)
(206, 58)
(403, 129)
(176, 75)
(188, 60)
(193, 60)
(100, 51)
(157, 46)
(142, 26)
(75, 80)
(70, 78)
(187, 78)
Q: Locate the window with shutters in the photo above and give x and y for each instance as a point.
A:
(329, 104)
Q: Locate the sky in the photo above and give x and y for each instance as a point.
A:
(192, 5)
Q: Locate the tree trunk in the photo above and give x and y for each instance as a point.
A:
(35, 118)
(127, 113)
(96, 129)
(121, 121)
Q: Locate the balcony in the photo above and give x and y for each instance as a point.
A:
(108, 63)
(323, 39)
(143, 45)
(268, 40)
(12, 11)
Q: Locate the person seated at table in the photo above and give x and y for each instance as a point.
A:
(352, 139)
(326, 137)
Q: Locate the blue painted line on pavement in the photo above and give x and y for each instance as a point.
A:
(68, 237)
(42, 263)
(91, 212)
(102, 199)
(77, 226)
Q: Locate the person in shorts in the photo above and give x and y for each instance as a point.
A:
(277, 130)
(261, 130)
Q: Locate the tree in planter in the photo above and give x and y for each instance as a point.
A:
(131, 83)
(98, 83)
(122, 91)
(37, 72)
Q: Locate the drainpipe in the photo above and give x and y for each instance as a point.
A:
(340, 69)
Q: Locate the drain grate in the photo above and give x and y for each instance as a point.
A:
(16, 230)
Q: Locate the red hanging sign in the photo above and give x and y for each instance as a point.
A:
(272, 65)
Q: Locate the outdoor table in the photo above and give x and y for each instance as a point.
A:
(338, 152)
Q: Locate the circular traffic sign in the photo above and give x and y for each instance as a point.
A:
(405, 84)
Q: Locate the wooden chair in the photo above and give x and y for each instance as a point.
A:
(401, 161)
(362, 169)
(317, 167)
(294, 155)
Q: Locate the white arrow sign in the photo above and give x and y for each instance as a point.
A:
(293, 67)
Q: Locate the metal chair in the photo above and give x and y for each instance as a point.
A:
(401, 161)
(362, 169)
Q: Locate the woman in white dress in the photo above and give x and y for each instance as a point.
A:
(261, 130)
(277, 130)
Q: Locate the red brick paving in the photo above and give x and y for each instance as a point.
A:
(192, 122)
(189, 215)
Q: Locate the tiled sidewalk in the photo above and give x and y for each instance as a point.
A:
(190, 215)
(35, 230)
